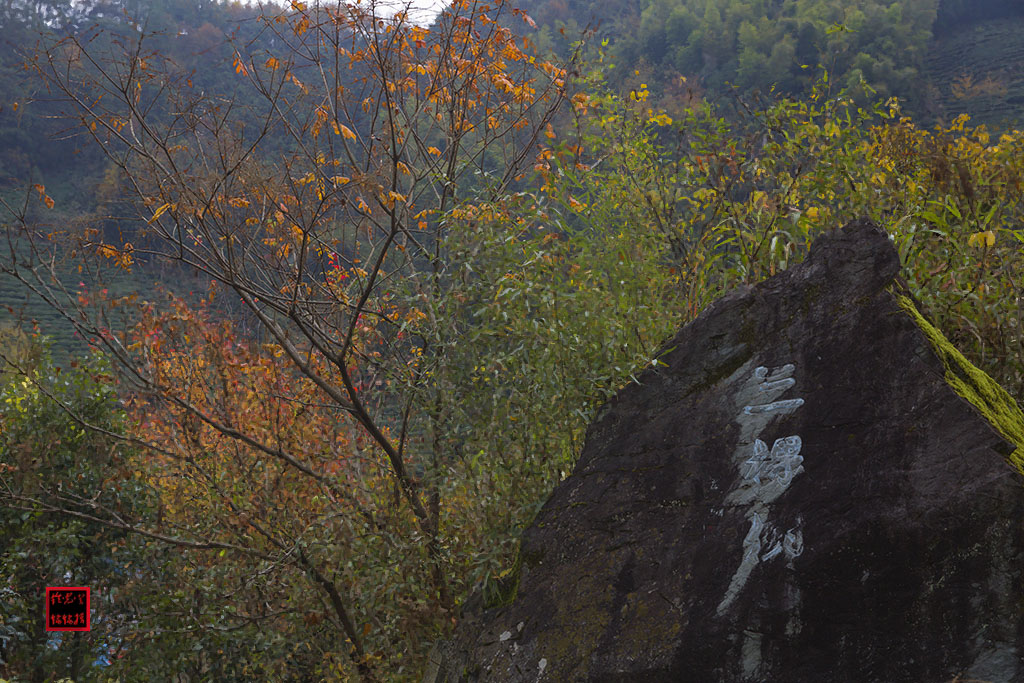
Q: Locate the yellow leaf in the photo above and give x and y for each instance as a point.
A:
(159, 212)
(985, 238)
(402, 168)
(339, 180)
(273, 64)
(347, 132)
(661, 119)
(434, 150)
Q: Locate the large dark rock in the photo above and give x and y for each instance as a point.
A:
(803, 492)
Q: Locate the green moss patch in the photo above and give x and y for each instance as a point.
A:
(975, 386)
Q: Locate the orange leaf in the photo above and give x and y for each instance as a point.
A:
(48, 200)
(346, 132)
(434, 150)
(273, 64)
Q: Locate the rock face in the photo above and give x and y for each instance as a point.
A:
(799, 494)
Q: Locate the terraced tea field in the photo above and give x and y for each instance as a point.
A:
(979, 70)
(19, 304)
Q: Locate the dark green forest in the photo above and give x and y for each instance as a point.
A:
(896, 48)
(305, 311)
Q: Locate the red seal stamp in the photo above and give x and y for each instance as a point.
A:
(67, 608)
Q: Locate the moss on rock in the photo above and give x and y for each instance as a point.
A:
(974, 385)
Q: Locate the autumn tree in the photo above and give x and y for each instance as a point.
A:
(318, 210)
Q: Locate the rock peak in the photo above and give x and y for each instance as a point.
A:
(859, 256)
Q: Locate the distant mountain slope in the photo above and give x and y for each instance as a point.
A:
(979, 70)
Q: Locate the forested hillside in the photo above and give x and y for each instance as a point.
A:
(41, 146)
(917, 50)
(36, 144)
(402, 268)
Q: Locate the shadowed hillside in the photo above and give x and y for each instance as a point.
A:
(978, 70)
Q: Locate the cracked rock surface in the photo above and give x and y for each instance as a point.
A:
(796, 495)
